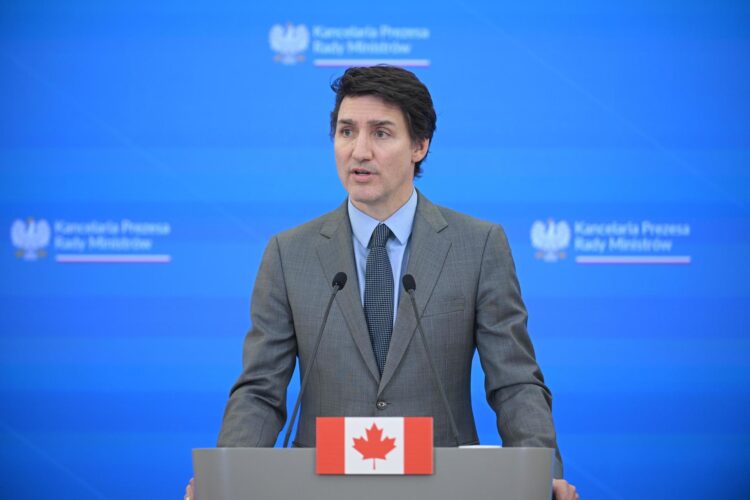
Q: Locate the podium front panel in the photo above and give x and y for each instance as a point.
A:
(286, 474)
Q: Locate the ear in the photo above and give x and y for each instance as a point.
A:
(420, 150)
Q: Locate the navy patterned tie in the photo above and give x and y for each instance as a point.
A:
(379, 294)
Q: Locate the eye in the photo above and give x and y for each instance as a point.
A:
(382, 133)
(345, 132)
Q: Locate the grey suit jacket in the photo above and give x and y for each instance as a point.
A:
(469, 297)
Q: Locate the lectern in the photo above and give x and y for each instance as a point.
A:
(288, 474)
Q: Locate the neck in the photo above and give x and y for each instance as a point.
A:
(382, 212)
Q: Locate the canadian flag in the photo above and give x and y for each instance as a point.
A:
(370, 445)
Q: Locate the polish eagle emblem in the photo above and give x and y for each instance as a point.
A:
(30, 237)
(289, 42)
(550, 239)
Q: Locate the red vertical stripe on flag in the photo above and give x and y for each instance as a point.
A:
(418, 445)
(329, 445)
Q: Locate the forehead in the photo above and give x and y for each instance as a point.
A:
(369, 108)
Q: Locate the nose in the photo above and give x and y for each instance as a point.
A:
(362, 148)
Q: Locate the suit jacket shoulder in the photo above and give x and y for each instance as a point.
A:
(324, 223)
(468, 234)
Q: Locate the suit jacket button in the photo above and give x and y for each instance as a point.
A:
(381, 405)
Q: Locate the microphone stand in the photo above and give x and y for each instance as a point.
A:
(409, 286)
(338, 284)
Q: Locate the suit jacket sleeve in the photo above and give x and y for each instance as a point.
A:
(256, 410)
(514, 384)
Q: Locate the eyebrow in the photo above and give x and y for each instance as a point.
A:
(380, 123)
(372, 123)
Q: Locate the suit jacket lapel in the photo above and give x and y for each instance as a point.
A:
(336, 253)
(427, 252)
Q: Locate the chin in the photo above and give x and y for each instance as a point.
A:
(362, 200)
(362, 195)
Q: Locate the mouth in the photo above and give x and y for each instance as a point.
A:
(360, 173)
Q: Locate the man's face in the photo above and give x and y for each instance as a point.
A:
(375, 155)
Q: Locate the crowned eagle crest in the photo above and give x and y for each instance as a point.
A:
(30, 237)
(550, 239)
(289, 42)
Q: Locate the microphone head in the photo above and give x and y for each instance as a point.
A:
(339, 280)
(409, 283)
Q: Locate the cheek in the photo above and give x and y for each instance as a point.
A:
(407, 166)
(341, 171)
(340, 157)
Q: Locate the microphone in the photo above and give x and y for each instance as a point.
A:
(410, 285)
(337, 285)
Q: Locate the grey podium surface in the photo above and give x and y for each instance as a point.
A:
(460, 473)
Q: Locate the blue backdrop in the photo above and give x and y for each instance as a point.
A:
(149, 150)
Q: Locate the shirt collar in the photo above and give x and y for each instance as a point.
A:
(400, 223)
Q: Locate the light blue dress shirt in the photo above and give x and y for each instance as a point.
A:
(400, 224)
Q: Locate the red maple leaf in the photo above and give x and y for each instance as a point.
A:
(375, 446)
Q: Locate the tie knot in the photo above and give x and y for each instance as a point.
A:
(380, 236)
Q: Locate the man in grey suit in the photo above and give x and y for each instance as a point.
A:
(370, 360)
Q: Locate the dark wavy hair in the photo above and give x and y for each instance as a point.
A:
(395, 86)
